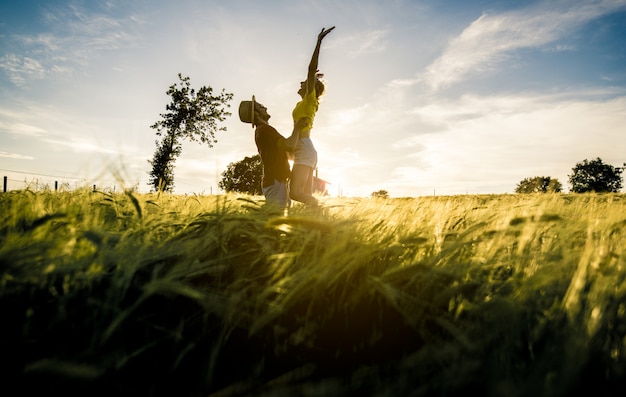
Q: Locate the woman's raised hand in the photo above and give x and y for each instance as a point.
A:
(323, 33)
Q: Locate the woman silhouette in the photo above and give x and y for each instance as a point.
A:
(305, 155)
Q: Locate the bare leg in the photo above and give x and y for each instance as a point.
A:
(301, 186)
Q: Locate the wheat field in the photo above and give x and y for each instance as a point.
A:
(163, 295)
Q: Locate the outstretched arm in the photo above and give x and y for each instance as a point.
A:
(310, 78)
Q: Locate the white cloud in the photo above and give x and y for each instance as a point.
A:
(73, 37)
(22, 129)
(491, 38)
(21, 68)
(474, 144)
(81, 146)
(373, 42)
(360, 43)
(505, 138)
(15, 156)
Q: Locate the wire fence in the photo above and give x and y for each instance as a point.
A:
(41, 181)
(50, 182)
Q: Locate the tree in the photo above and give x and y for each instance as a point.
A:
(243, 176)
(595, 176)
(192, 115)
(539, 184)
(162, 175)
(380, 194)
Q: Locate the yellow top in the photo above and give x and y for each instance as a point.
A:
(307, 107)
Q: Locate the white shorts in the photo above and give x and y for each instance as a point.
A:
(305, 153)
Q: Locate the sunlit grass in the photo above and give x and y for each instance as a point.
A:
(192, 295)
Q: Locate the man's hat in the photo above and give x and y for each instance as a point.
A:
(246, 111)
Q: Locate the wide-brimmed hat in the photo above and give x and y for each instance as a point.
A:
(246, 111)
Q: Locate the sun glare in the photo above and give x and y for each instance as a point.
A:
(334, 178)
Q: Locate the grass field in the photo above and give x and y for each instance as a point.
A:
(146, 295)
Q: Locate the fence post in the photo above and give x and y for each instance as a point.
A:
(56, 185)
(5, 185)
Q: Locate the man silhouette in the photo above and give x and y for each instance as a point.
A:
(275, 151)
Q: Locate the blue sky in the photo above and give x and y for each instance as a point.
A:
(424, 96)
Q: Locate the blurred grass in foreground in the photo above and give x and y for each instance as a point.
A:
(146, 295)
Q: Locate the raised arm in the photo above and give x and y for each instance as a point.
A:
(310, 78)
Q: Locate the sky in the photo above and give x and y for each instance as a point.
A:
(424, 97)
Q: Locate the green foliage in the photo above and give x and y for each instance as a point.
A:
(539, 184)
(243, 176)
(161, 177)
(191, 115)
(595, 176)
(161, 295)
(383, 194)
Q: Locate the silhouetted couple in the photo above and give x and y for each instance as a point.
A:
(280, 185)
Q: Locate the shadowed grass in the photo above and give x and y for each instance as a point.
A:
(193, 295)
